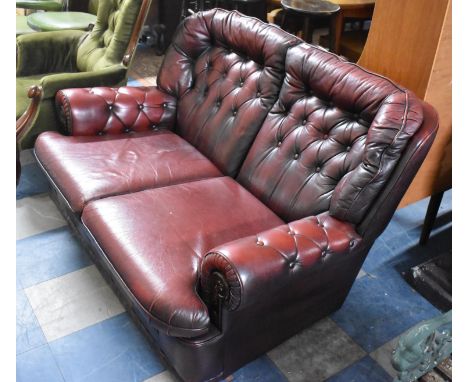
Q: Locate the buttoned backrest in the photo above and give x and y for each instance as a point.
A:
(226, 70)
(331, 140)
(106, 44)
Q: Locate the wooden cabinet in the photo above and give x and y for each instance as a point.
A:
(411, 43)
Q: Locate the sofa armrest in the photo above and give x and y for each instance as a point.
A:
(47, 52)
(103, 110)
(247, 271)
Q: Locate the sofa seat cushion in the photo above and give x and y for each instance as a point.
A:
(89, 168)
(155, 240)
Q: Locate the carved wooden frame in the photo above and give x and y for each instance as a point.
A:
(25, 121)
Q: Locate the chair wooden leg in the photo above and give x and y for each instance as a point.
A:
(430, 218)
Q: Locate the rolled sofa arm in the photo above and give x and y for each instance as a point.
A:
(246, 271)
(104, 110)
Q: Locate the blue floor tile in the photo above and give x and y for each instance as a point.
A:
(48, 255)
(29, 335)
(113, 350)
(262, 369)
(132, 82)
(380, 307)
(37, 365)
(365, 370)
(32, 181)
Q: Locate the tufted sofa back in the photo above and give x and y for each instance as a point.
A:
(331, 140)
(106, 44)
(226, 70)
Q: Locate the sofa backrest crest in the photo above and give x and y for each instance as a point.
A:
(302, 129)
(332, 139)
(226, 70)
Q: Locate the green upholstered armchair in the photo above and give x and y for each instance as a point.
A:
(50, 61)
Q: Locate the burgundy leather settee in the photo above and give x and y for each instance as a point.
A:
(233, 203)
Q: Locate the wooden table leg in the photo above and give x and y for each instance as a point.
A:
(306, 30)
(336, 30)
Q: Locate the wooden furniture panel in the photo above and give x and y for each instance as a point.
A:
(410, 42)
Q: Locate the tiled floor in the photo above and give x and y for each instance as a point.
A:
(71, 327)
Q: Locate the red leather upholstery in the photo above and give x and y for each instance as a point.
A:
(208, 262)
(90, 167)
(156, 238)
(101, 110)
(332, 138)
(259, 265)
(227, 73)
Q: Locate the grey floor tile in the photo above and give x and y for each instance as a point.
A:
(316, 353)
(27, 157)
(383, 356)
(165, 376)
(72, 302)
(36, 214)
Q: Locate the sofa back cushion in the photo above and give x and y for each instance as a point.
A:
(106, 44)
(331, 141)
(226, 70)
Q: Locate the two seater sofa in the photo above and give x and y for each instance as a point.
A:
(233, 204)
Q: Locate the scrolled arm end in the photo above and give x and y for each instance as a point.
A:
(249, 270)
(104, 110)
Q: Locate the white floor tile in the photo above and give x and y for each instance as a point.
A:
(36, 214)
(27, 157)
(165, 376)
(72, 302)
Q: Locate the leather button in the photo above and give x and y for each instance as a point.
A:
(291, 233)
(164, 105)
(234, 112)
(324, 253)
(325, 136)
(100, 133)
(351, 243)
(260, 243)
(348, 148)
(304, 121)
(241, 83)
(279, 143)
(296, 156)
(110, 107)
(140, 107)
(155, 127)
(356, 116)
(218, 103)
(317, 169)
(127, 130)
(292, 264)
(259, 94)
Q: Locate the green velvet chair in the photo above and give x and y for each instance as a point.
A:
(50, 61)
(22, 26)
(53, 21)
